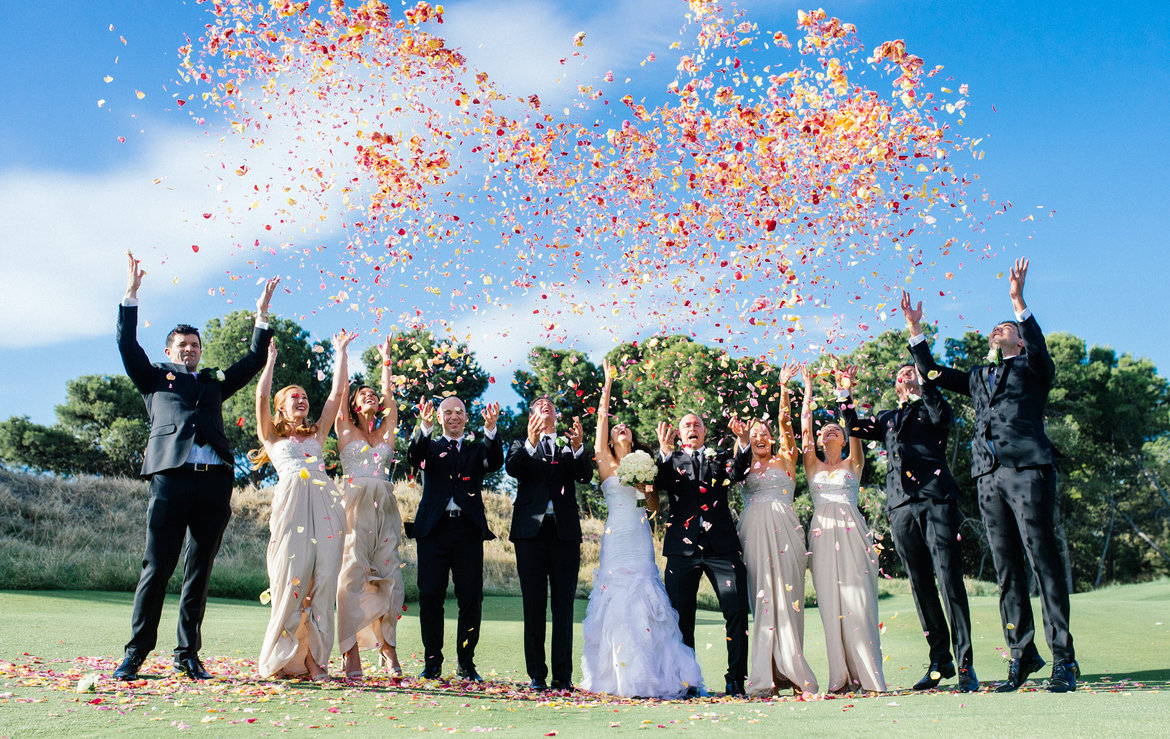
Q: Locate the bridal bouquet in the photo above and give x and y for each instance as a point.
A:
(636, 469)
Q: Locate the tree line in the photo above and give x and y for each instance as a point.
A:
(1108, 415)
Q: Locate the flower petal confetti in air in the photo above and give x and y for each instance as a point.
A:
(776, 179)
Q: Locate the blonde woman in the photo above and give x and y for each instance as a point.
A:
(843, 560)
(307, 523)
(776, 558)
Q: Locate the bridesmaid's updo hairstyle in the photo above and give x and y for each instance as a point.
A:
(281, 425)
(353, 411)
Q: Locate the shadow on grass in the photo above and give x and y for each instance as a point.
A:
(1141, 679)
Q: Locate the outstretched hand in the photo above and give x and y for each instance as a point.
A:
(266, 296)
(133, 275)
(576, 434)
(535, 429)
(667, 434)
(789, 371)
(1016, 283)
(913, 315)
(272, 352)
(610, 372)
(490, 414)
(740, 429)
(384, 350)
(342, 340)
(846, 376)
(806, 374)
(426, 412)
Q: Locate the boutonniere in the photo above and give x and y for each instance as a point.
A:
(995, 356)
(562, 442)
(212, 374)
(469, 436)
(913, 397)
(709, 453)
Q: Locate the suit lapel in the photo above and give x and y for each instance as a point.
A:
(1001, 375)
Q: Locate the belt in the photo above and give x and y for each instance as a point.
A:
(453, 513)
(203, 467)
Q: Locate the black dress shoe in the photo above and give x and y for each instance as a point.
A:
(467, 672)
(735, 688)
(128, 670)
(1064, 677)
(562, 685)
(934, 674)
(431, 672)
(1018, 672)
(968, 683)
(540, 685)
(692, 692)
(192, 668)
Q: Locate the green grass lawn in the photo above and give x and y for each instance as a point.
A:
(50, 640)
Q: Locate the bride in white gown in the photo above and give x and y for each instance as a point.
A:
(633, 646)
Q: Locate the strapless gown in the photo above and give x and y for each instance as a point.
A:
(845, 570)
(370, 589)
(304, 558)
(776, 559)
(633, 646)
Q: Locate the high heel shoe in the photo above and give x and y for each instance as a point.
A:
(385, 663)
(318, 676)
(351, 657)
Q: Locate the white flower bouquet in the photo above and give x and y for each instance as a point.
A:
(637, 469)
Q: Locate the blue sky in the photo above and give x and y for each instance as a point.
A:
(1070, 101)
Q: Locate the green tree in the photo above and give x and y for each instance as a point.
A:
(425, 367)
(107, 414)
(299, 362)
(28, 445)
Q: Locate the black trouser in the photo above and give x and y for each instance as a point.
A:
(729, 578)
(1019, 513)
(182, 502)
(453, 549)
(926, 535)
(547, 568)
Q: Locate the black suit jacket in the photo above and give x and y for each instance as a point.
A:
(1011, 415)
(178, 402)
(697, 493)
(542, 478)
(915, 438)
(449, 475)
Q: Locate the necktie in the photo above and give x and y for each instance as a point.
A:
(546, 446)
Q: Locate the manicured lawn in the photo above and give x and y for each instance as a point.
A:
(51, 640)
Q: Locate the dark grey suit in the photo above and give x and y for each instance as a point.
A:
(183, 501)
(1012, 461)
(923, 505)
(451, 546)
(548, 549)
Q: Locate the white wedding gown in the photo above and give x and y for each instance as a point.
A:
(633, 646)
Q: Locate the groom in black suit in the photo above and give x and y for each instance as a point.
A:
(451, 527)
(700, 533)
(189, 464)
(546, 532)
(1013, 464)
(923, 505)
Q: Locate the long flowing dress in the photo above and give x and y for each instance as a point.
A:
(845, 570)
(633, 646)
(776, 558)
(304, 558)
(370, 587)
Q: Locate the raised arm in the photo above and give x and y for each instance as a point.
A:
(390, 419)
(1035, 347)
(807, 436)
(787, 450)
(337, 393)
(605, 462)
(866, 428)
(134, 359)
(856, 457)
(264, 429)
(932, 371)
